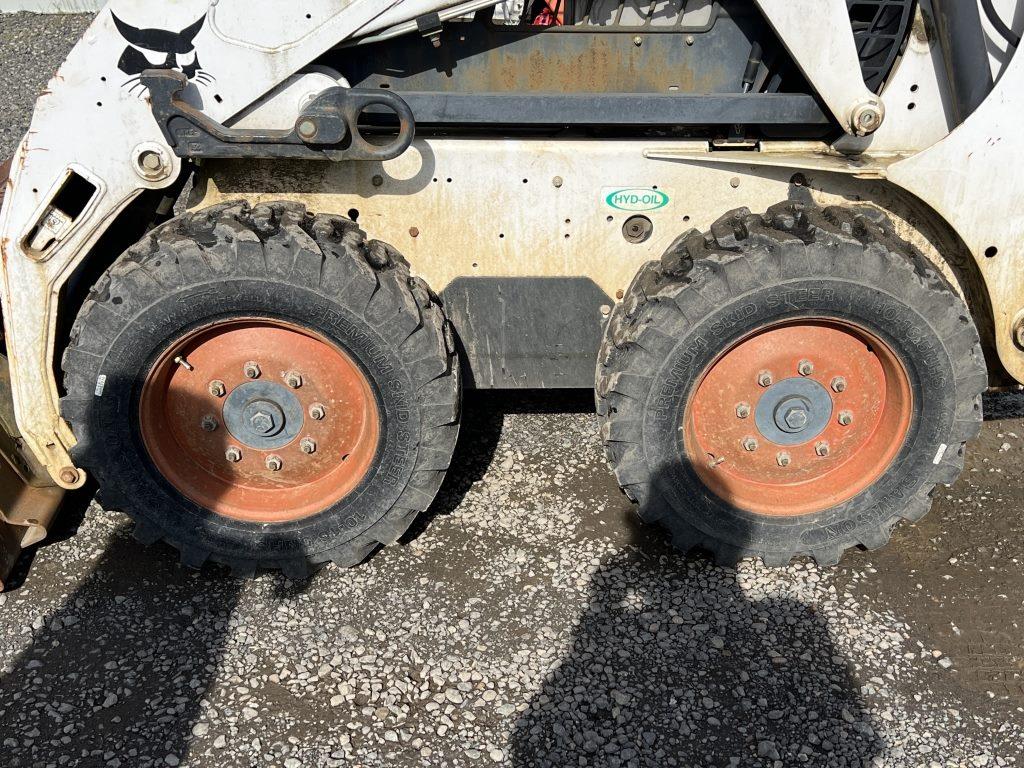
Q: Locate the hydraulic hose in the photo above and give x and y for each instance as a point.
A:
(1000, 26)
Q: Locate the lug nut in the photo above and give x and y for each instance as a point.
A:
(822, 449)
(233, 454)
(317, 412)
(252, 370)
(764, 379)
(743, 411)
(209, 423)
(308, 446)
(845, 418)
(838, 384)
(274, 463)
(805, 368)
(750, 444)
(293, 379)
(784, 459)
(218, 388)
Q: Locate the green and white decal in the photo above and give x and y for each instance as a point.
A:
(635, 199)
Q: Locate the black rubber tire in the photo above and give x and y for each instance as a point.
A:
(279, 261)
(710, 290)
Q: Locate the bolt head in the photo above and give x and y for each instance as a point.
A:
(274, 463)
(743, 411)
(233, 454)
(784, 459)
(209, 423)
(638, 41)
(317, 412)
(307, 128)
(262, 423)
(69, 475)
(845, 418)
(765, 379)
(796, 418)
(838, 384)
(822, 449)
(308, 446)
(750, 444)
(293, 379)
(218, 388)
(251, 370)
(805, 368)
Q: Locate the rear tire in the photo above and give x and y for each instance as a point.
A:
(793, 271)
(318, 288)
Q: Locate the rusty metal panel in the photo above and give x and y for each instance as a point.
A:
(28, 500)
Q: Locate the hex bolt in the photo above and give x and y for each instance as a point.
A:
(784, 459)
(750, 444)
(308, 446)
(638, 41)
(252, 370)
(838, 384)
(743, 410)
(317, 412)
(233, 454)
(805, 368)
(218, 388)
(293, 379)
(151, 161)
(69, 475)
(274, 463)
(822, 449)
(765, 379)
(845, 418)
(209, 423)
(307, 129)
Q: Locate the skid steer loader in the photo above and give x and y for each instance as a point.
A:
(781, 239)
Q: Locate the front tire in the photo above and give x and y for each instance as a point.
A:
(264, 388)
(788, 384)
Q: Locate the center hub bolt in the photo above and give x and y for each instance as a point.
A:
(262, 423)
(293, 379)
(764, 379)
(251, 370)
(274, 463)
(784, 459)
(805, 368)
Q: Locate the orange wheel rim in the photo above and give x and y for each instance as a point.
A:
(798, 417)
(259, 420)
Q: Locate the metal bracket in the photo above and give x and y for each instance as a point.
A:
(327, 128)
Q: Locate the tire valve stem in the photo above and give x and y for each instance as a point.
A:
(716, 461)
(179, 360)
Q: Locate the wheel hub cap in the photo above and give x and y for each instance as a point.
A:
(263, 415)
(793, 411)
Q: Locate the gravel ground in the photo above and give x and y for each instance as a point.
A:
(528, 621)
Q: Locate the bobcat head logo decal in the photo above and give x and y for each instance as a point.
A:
(161, 49)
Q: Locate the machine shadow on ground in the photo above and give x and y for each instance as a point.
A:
(673, 664)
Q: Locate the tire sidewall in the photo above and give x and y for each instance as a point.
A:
(115, 416)
(894, 321)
